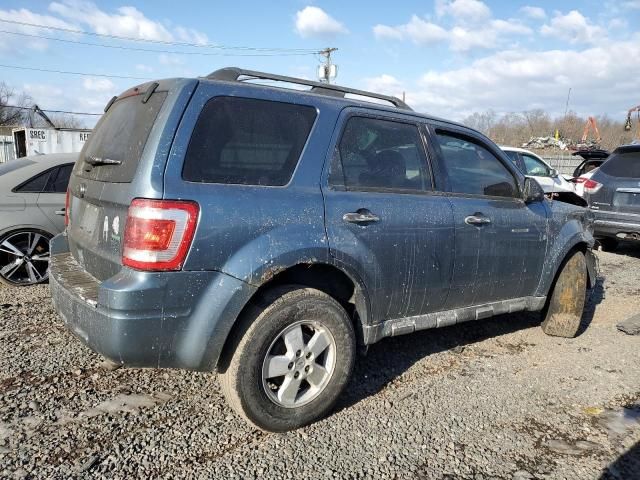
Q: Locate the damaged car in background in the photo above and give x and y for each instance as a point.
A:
(613, 191)
(267, 233)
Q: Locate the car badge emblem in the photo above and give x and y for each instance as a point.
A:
(82, 189)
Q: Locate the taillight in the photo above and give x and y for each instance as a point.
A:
(158, 233)
(66, 209)
(590, 186)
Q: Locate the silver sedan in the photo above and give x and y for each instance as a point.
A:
(32, 201)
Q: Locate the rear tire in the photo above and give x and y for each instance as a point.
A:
(564, 310)
(289, 360)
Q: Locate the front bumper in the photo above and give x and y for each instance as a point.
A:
(147, 319)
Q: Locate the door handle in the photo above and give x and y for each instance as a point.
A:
(60, 212)
(361, 216)
(477, 219)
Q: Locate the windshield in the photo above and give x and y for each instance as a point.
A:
(119, 139)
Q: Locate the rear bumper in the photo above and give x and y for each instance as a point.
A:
(617, 225)
(147, 319)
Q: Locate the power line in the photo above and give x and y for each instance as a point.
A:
(50, 111)
(150, 50)
(162, 42)
(84, 74)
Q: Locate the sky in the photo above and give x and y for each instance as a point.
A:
(450, 57)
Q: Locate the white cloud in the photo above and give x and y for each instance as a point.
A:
(417, 30)
(461, 38)
(574, 28)
(473, 11)
(94, 84)
(9, 42)
(632, 4)
(535, 13)
(315, 22)
(518, 80)
(385, 83)
(125, 22)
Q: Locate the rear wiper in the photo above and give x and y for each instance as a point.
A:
(95, 161)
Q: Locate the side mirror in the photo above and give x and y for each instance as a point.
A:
(533, 192)
(553, 173)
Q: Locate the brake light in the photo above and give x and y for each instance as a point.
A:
(66, 209)
(158, 233)
(591, 186)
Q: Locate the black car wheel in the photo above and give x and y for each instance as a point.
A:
(24, 257)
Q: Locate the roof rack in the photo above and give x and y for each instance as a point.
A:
(233, 74)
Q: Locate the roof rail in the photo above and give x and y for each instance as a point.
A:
(233, 74)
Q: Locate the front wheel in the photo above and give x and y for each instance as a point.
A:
(564, 310)
(289, 359)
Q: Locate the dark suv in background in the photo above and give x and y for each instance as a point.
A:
(263, 232)
(614, 197)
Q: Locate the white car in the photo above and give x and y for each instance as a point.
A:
(533, 166)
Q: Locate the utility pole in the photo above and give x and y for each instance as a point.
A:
(327, 71)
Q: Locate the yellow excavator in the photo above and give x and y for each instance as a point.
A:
(628, 125)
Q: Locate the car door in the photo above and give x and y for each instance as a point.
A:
(384, 222)
(52, 198)
(500, 241)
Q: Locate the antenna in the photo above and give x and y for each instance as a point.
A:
(327, 71)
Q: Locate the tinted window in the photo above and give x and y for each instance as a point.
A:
(247, 141)
(121, 135)
(382, 154)
(534, 166)
(625, 165)
(35, 184)
(59, 179)
(473, 169)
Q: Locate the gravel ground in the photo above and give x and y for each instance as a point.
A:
(492, 399)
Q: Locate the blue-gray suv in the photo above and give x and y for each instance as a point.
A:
(267, 233)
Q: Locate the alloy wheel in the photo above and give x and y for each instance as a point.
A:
(299, 364)
(24, 258)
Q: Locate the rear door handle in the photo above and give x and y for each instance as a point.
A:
(477, 219)
(361, 216)
(60, 212)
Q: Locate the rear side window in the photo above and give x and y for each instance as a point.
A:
(120, 135)
(473, 169)
(623, 165)
(247, 141)
(59, 179)
(381, 154)
(35, 184)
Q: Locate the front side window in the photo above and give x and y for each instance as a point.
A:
(535, 167)
(382, 154)
(473, 169)
(247, 141)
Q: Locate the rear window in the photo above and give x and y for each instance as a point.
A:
(622, 165)
(247, 141)
(120, 135)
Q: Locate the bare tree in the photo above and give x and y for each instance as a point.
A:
(515, 129)
(13, 106)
